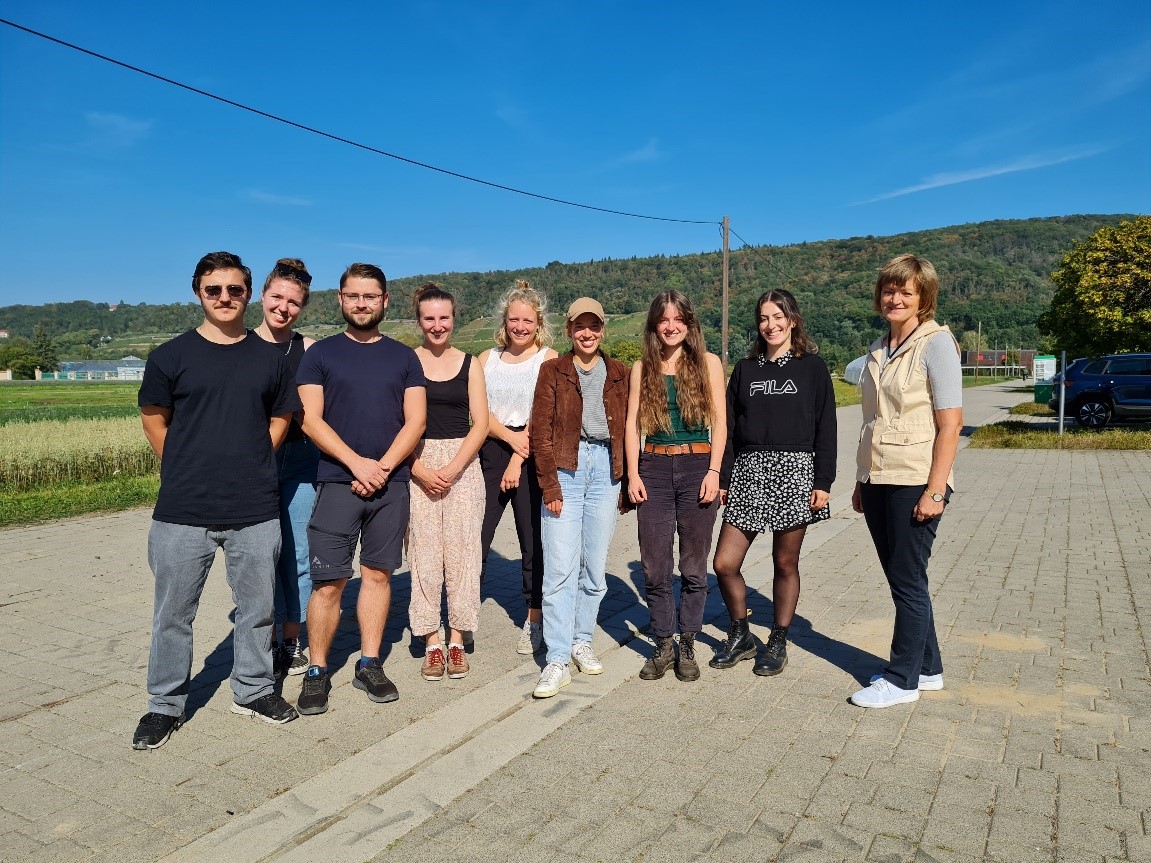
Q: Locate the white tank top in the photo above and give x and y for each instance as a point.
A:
(512, 387)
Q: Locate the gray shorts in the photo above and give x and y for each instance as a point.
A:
(341, 518)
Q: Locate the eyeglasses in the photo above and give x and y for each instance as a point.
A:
(366, 299)
(287, 271)
(236, 292)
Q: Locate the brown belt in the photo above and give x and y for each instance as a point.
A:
(677, 448)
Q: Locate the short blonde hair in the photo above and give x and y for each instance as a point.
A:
(907, 268)
(523, 292)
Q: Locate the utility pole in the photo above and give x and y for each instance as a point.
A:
(723, 335)
(979, 347)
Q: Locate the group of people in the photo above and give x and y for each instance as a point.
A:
(289, 454)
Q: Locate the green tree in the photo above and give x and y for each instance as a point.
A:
(627, 351)
(18, 357)
(1102, 301)
(44, 349)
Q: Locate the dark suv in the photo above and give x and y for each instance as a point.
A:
(1099, 389)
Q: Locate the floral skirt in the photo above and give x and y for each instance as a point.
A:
(772, 491)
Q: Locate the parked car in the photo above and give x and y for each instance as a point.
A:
(1100, 389)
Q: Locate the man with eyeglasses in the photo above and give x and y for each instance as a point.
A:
(364, 398)
(215, 403)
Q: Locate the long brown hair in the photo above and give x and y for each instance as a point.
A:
(801, 342)
(692, 387)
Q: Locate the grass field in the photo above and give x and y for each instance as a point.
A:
(35, 401)
(1021, 434)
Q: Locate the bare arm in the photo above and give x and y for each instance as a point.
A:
(278, 429)
(415, 421)
(636, 490)
(709, 488)
(368, 472)
(156, 421)
(948, 425)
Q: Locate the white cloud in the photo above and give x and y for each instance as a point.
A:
(953, 178)
(278, 200)
(649, 152)
(114, 131)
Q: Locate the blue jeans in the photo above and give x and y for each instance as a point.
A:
(296, 462)
(575, 551)
(180, 556)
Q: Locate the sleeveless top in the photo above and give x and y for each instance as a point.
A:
(512, 387)
(293, 350)
(679, 432)
(448, 406)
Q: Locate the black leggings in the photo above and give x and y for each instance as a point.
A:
(527, 501)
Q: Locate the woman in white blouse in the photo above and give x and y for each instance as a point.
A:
(510, 372)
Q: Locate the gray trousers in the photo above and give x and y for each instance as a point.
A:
(181, 556)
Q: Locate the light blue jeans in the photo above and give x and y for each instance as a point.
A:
(180, 556)
(575, 551)
(296, 462)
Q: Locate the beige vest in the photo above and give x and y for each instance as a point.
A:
(898, 419)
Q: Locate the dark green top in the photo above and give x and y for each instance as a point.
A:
(679, 434)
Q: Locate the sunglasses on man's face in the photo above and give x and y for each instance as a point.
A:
(236, 292)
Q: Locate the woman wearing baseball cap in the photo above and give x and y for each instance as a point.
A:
(577, 436)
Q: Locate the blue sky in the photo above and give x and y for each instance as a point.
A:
(801, 122)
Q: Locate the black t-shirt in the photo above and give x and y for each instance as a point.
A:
(364, 386)
(218, 466)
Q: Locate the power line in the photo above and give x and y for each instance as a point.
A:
(342, 140)
(755, 252)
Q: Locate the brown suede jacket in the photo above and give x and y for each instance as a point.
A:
(557, 418)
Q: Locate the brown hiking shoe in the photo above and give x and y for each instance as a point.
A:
(686, 668)
(661, 660)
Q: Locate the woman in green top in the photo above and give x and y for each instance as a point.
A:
(676, 400)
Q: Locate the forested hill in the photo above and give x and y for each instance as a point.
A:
(996, 273)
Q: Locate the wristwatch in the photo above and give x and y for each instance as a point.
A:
(935, 496)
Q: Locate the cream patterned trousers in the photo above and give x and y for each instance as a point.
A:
(444, 545)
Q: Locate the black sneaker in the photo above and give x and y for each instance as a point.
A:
(293, 657)
(372, 680)
(270, 708)
(314, 692)
(154, 730)
(277, 661)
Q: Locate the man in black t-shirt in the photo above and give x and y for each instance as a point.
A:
(215, 403)
(364, 406)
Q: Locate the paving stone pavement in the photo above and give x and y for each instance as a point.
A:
(1037, 749)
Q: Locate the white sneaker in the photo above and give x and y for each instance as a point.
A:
(531, 638)
(927, 682)
(883, 694)
(555, 677)
(585, 658)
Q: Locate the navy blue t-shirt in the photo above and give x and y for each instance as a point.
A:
(218, 466)
(364, 388)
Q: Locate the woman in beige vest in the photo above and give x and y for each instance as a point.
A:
(912, 415)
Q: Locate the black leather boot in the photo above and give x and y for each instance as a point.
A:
(740, 645)
(661, 660)
(686, 668)
(773, 658)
